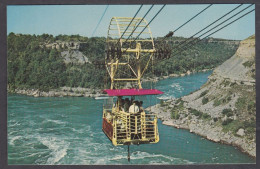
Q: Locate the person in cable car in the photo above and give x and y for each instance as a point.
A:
(126, 105)
(141, 106)
(134, 108)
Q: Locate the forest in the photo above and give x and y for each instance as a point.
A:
(32, 65)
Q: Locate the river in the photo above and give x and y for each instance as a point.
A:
(67, 130)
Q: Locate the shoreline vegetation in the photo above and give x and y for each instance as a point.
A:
(85, 92)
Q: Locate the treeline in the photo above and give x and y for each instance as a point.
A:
(203, 55)
(32, 65)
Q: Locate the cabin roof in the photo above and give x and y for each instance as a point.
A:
(132, 92)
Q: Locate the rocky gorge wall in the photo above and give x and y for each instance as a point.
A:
(224, 109)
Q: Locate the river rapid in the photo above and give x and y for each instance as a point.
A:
(68, 130)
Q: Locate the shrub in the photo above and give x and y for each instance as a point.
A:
(215, 119)
(162, 103)
(204, 93)
(196, 112)
(205, 100)
(227, 122)
(175, 115)
(241, 102)
(227, 112)
(248, 63)
(229, 98)
(205, 116)
(217, 102)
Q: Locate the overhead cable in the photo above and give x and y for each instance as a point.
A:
(139, 23)
(209, 25)
(192, 18)
(150, 22)
(197, 40)
(220, 23)
(130, 22)
(100, 20)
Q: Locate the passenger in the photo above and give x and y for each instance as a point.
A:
(108, 116)
(132, 101)
(134, 108)
(121, 105)
(137, 103)
(141, 106)
(126, 105)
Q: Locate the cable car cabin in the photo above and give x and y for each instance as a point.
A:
(125, 122)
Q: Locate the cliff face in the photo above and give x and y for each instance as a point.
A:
(224, 109)
(70, 51)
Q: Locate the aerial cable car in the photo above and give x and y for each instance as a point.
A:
(125, 122)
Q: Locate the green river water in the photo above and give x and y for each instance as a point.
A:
(68, 130)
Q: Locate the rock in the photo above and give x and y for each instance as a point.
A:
(224, 118)
(241, 132)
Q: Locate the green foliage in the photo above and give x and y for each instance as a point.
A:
(205, 100)
(32, 65)
(235, 125)
(205, 116)
(217, 102)
(196, 112)
(226, 83)
(162, 102)
(241, 102)
(248, 64)
(226, 122)
(204, 93)
(175, 115)
(203, 55)
(227, 112)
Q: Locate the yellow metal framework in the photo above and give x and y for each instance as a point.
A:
(125, 128)
(143, 47)
(128, 128)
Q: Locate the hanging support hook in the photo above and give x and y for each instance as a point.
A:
(128, 156)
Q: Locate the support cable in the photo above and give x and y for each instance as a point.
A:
(145, 26)
(130, 23)
(192, 18)
(218, 24)
(209, 25)
(100, 20)
(150, 22)
(139, 23)
(198, 40)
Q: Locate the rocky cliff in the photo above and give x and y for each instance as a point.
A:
(69, 51)
(224, 109)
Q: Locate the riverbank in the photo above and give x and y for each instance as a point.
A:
(156, 79)
(204, 127)
(87, 92)
(224, 108)
(61, 92)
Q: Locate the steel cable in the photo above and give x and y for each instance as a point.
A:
(209, 25)
(197, 40)
(100, 21)
(217, 26)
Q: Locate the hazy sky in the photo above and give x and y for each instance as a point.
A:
(82, 19)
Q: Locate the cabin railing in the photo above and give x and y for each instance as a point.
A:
(139, 127)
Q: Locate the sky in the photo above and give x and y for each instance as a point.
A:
(82, 19)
